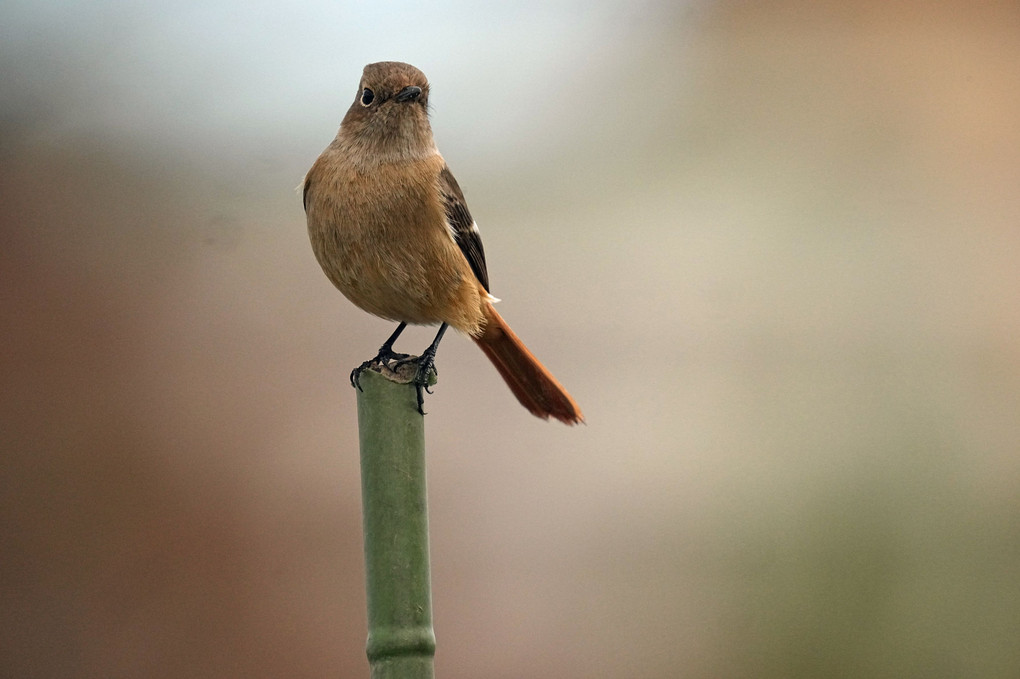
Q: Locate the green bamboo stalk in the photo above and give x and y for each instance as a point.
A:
(401, 641)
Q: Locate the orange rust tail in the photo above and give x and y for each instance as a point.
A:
(531, 383)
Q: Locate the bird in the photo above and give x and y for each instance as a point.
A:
(390, 227)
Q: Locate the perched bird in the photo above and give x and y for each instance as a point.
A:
(390, 228)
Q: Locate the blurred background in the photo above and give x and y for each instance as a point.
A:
(770, 247)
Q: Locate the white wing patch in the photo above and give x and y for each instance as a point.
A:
(453, 234)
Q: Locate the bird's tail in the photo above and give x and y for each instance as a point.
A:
(531, 383)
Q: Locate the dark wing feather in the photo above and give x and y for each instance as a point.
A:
(462, 224)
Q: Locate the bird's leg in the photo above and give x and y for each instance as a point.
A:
(426, 364)
(385, 354)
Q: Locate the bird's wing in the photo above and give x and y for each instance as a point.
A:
(462, 226)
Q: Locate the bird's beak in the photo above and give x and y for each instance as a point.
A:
(409, 93)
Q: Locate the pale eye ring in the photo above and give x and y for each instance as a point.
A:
(367, 97)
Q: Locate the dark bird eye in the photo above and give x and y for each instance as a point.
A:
(367, 97)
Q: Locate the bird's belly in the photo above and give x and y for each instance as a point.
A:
(418, 281)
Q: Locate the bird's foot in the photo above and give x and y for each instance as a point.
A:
(383, 358)
(422, 375)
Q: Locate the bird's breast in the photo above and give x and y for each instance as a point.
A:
(381, 238)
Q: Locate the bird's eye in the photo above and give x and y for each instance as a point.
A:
(367, 97)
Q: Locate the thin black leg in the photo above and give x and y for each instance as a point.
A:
(426, 364)
(385, 354)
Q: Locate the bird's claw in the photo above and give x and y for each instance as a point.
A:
(422, 375)
(383, 358)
